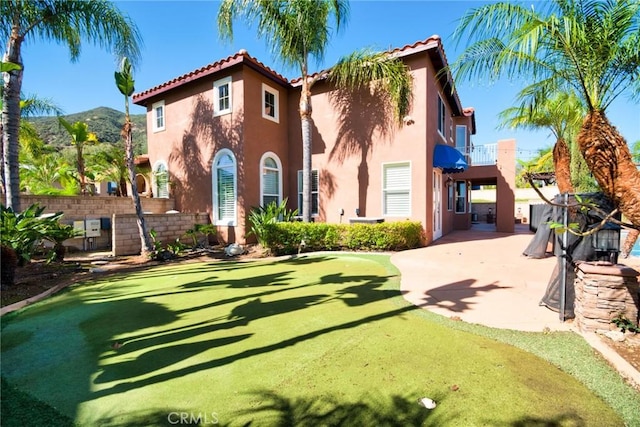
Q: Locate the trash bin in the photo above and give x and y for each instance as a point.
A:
(474, 217)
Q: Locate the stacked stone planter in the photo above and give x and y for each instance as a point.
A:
(603, 292)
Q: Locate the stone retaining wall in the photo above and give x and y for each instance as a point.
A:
(169, 227)
(603, 292)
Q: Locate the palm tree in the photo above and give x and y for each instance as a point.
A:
(591, 47)
(540, 164)
(109, 163)
(80, 137)
(562, 114)
(125, 84)
(28, 136)
(43, 169)
(298, 31)
(69, 22)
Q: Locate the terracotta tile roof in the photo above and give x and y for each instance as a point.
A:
(432, 44)
(409, 49)
(142, 159)
(241, 57)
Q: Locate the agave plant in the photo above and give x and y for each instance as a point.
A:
(272, 213)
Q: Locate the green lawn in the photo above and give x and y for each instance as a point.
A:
(306, 341)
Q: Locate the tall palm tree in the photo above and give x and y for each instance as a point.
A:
(62, 21)
(562, 114)
(589, 46)
(29, 107)
(298, 31)
(80, 137)
(125, 84)
(109, 163)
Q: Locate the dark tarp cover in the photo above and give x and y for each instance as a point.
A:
(579, 248)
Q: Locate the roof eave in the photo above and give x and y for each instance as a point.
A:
(241, 57)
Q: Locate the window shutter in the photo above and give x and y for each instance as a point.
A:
(225, 175)
(162, 182)
(397, 185)
(226, 197)
(270, 182)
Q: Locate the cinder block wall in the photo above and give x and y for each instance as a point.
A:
(80, 208)
(126, 237)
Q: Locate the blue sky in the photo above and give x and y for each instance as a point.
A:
(180, 36)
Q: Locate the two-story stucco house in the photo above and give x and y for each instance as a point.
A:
(227, 137)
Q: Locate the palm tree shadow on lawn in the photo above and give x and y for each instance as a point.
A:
(454, 296)
(104, 317)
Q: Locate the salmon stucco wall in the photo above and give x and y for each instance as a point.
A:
(193, 136)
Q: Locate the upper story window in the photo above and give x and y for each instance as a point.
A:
(271, 178)
(270, 98)
(222, 96)
(396, 189)
(442, 117)
(158, 116)
(461, 139)
(225, 187)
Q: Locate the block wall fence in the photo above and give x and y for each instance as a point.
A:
(169, 227)
(119, 229)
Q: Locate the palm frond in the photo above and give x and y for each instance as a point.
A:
(365, 67)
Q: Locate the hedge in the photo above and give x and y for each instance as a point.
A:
(284, 238)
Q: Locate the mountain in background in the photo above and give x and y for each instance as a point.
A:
(105, 122)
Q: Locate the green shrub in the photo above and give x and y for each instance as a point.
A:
(204, 230)
(295, 237)
(264, 216)
(57, 233)
(22, 231)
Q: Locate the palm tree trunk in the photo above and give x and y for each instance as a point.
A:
(11, 123)
(562, 166)
(2, 189)
(607, 154)
(631, 239)
(83, 179)
(145, 238)
(307, 143)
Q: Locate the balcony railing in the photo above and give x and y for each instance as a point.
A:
(482, 155)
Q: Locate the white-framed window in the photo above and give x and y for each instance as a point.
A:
(270, 179)
(442, 117)
(450, 197)
(160, 180)
(158, 116)
(396, 189)
(222, 96)
(461, 197)
(225, 187)
(314, 193)
(461, 139)
(270, 103)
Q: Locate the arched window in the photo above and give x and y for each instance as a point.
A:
(224, 175)
(270, 179)
(161, 180)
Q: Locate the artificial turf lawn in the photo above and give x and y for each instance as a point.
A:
(308, 341)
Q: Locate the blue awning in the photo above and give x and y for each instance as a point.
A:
(448, 159)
